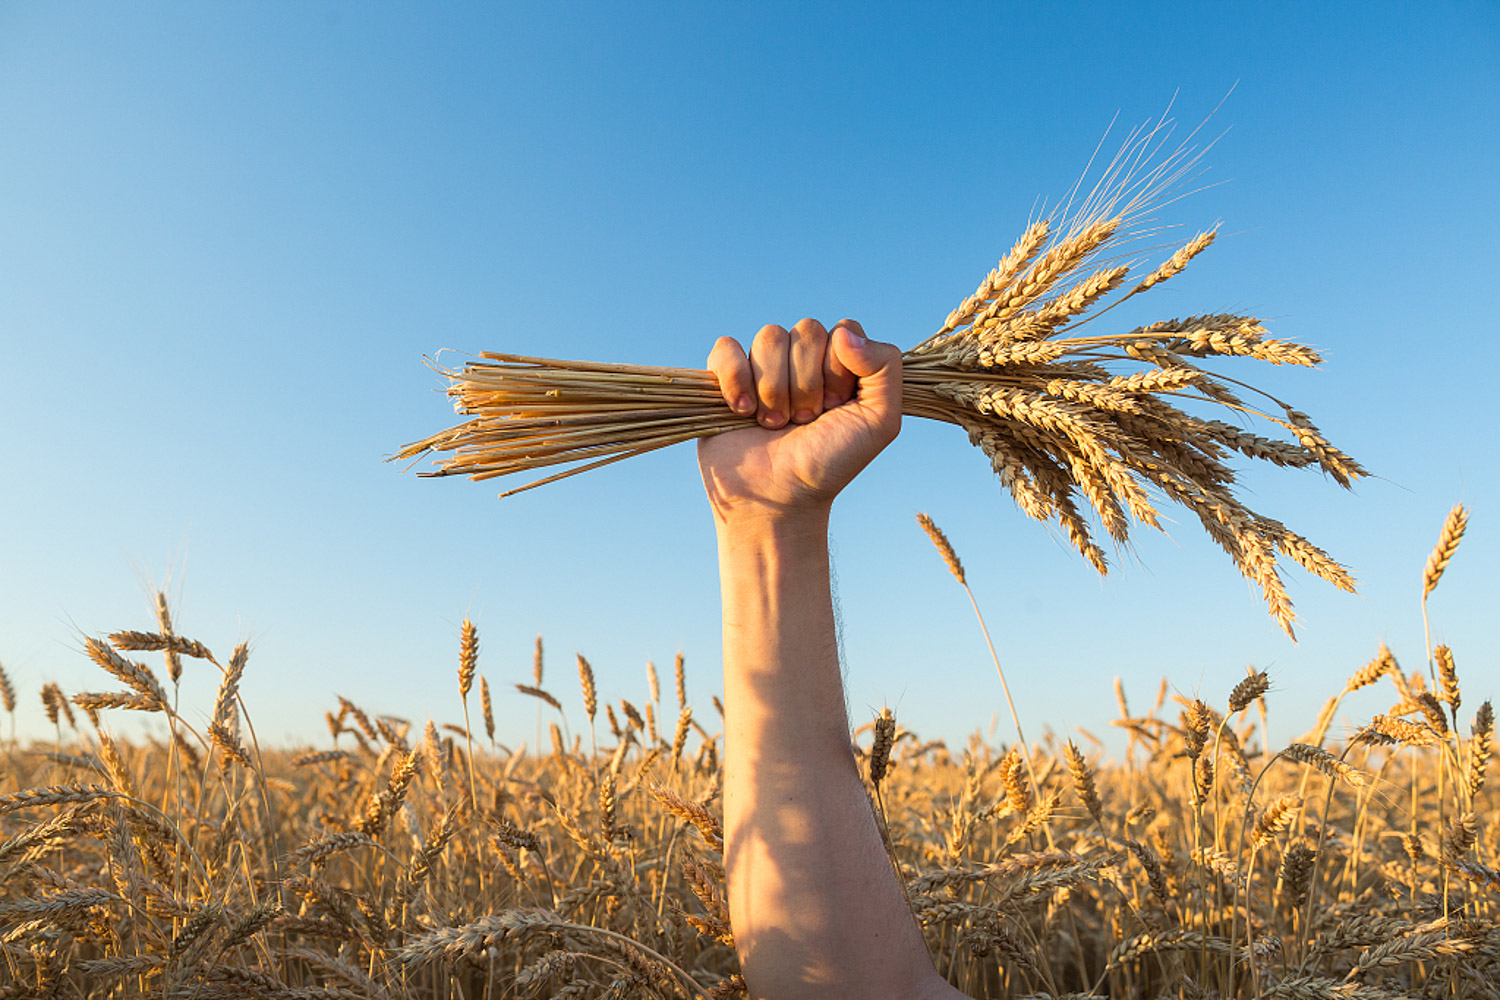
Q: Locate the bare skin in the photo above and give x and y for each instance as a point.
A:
(815, 906)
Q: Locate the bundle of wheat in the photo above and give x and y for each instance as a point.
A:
(1061, 414)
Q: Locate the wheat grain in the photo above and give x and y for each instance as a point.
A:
(1295, 873)
(1247, 691)
(393, 731)
(1326, 762)
(226, 713)
(136, 675)
(317, 851)
(32, 798)
(1482, 733)
(1448, 676)
(229, 746)
(590, 692)
(487, 708)
(251, 924)
(880, 749)
(7, 691)
(1462, 834)
(1402, 731)
(95, 701)
(690, 812)
(1197, 720)
(1384, 663)
(514, 836)
(944, 547)
(679, 737)
(1420, 946)
(536, 692)
(57, 904)
(196, 929)
(632, 716)
(1174, 264)
(360, 718)
(1477, 873)
(57, 827)
(52, 702)
(1083, 781)
(319, 757)
(1428, 704)
(1321, 988)
(164, 622)
(164, 641)
(1276, 817)
(468, 657)
(1155, 877)
(1172, 940)
(1454, 527)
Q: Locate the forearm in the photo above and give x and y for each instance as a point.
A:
(815, 906)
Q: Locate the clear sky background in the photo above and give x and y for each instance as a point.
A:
(229, 232)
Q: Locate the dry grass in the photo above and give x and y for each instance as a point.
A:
(1088, 430)
(394, 862)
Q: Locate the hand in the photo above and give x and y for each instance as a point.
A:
(826, 405)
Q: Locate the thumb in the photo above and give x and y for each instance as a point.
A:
(877, 365)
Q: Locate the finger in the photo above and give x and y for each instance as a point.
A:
(768, 367)
(838, 381)
(730, 366)
(809, 345)
(877, 366)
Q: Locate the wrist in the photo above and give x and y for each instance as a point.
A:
(778, 526)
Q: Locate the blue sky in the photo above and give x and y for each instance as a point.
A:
(230, 232)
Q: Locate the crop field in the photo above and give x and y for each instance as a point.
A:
(411, 858)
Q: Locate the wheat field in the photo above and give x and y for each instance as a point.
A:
(404, 858)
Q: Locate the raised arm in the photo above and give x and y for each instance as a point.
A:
(815, 907)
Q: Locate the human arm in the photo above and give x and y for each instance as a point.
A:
(815, 907)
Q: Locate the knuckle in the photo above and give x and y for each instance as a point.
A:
(809, 327)
(771, 335)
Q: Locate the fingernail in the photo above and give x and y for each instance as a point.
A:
(744, 404)
(853, 332)
(773, 419)
(830, 401)
(804, 416)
